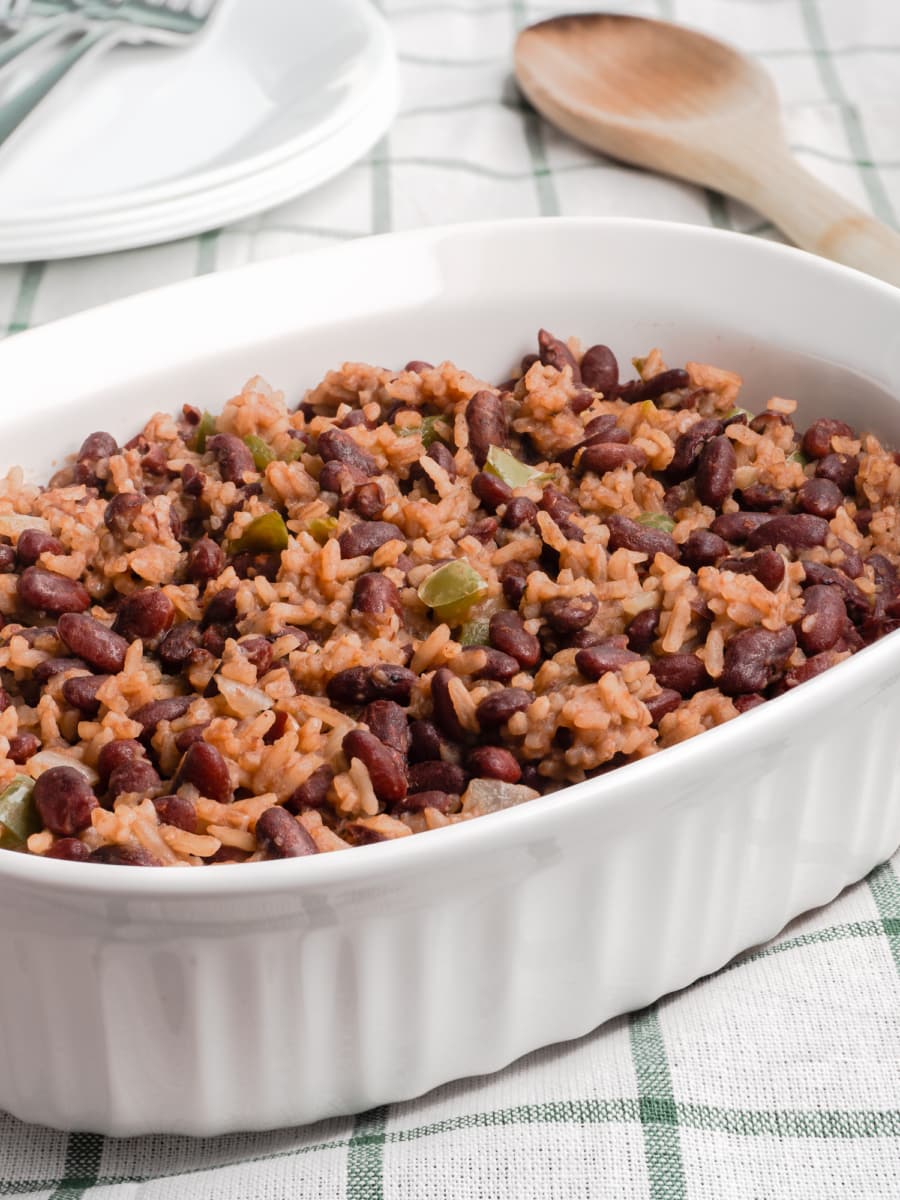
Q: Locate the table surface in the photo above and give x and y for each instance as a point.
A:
(778, 1076)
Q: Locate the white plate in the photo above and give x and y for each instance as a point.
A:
(153, 143)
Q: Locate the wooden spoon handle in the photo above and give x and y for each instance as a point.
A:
(818, 219)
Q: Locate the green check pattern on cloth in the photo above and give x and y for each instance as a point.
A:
(780, 1075)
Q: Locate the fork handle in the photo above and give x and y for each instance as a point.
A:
(21, 105)
(16, 45)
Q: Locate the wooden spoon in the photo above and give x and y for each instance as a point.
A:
(676, 101)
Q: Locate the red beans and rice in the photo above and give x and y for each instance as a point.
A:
(416, 599)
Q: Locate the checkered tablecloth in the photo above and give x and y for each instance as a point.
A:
(779, 1076)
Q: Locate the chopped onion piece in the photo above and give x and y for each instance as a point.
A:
(12, 524)
(490, 795)
(45, 759)
(244, 701)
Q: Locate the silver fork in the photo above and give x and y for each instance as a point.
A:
(97, 25)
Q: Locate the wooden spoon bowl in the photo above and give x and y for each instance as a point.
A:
(667, 98)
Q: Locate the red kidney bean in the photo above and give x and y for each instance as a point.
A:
(750, 700)
(486, 422)
(187, 737)
(279, 835)
(797, 531)
(442, 705)
(600, 370)
(596, 661)
(81, 692)
(555, 353)
(221, 609)
(513, 580)
(7, 559)
(64, 800)
(92, 641)
(375, 593)
(35, 542)
(561, 508)
(755, 658)
(519, 511)
(233, 458)
(484, 530)
(581, 399)
(764, 422)
(179, 643)
(125, 856)
(643, 630)
(604, 428)
(55, 666)
(417, 366)
(494, 762)
(498, 666)
(155, 461)
(601, 457)
(177, 811)
(491, 490)
(824, 618)
(443, 457)
(342, 479)
(206, 560)
(715, 471)
(683, 673)
(568, 614)
(650, 389)
(137, 775)
(851, 564)
(820, 497)
(207, 770)
(840, 469)
(122, 510)
(385, 766)
(496, 709)
(760, 496)
(115, 754)
(359, 685)
(258, 651)
(855, 600)
(817, 439)
(425, 742)
(146, 614)
(737, 526)
(356, 417)
(149, 715)
(96, 446)
(703, 549)
(21, 747)
(312, 793)
(766, 565)
(335, 446)
(667, 701)
(192, 481)
(368, 501)
(69, 849)
(629, 535)
(443, 802)
(52, 593)
(387, 721)
(366, 536)
(688, 447)
(808, 670)
(437, 777)
(507, 633)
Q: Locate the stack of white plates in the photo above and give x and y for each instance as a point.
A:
(150, 144)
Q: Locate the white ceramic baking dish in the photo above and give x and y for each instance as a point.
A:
(254, 996)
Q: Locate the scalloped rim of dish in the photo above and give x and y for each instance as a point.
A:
(412, 853)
